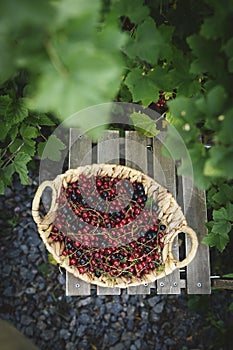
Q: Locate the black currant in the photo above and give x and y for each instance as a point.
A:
(97, 274)
(79, 253)
(162, 227)
(69, 245)
(74, 197)
(121, 257)
(83, 261)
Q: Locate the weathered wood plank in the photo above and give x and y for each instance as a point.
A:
(108, 151)
(136, 151)
(165, 174)
(136, 157)
(80, 154)
(222, 284)
(108, 147)
(80, 149)
(75, 286)
(198, 271)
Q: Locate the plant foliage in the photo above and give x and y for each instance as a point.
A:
(62, 56)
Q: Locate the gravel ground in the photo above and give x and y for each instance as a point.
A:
(32, 297)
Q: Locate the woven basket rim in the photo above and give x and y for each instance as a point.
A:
(169, 212)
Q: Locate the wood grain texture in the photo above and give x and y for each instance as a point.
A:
(136, 157)
(165, 174)
(108, 151)
(75, 286)
(80, 149)
(108, 148)
(198, 271)
(80, 154)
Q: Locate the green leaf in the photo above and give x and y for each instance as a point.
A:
(220, 214)
(5, 101)
(86, 76)
(45, 120)
(20, 166)
(144, 124)
(53, 148)
(220, 162)
(216, 99)
(230, 211)
(40, 148)
(228, 275)
(16, 145)
(215, 239)
(2, 187)
(127, 8)
(17, 111)
(142, 86)
(205, 51)
(228, 48)
(224, 194)
(4, 129)
(51, 259)
(28, 132)
(150, 43)
(221, 227)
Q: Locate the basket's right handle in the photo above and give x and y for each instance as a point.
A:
(193, 249)
(36, 202)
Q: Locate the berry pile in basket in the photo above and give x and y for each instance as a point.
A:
(109, 228)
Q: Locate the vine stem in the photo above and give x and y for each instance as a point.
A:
(55, 59)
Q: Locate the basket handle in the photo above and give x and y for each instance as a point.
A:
(193, 249)
(36, 202)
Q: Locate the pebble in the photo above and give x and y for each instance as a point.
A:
(158, 308)
(26, 320)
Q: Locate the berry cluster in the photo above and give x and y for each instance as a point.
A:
(161, 103)
(108, 228)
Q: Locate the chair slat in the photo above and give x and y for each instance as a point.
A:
(75, 286)
(198, 271)
(108, 151)
(80, 154)
(165, 174)
(136, 157)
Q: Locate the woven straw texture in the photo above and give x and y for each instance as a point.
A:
(169, 212)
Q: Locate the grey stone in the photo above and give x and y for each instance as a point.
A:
(130, 310)
(138, 343)
(30, 290)
(48, 334)
(158, 308)
(81, 331)
(26, 320)
(13, 253)
(61, 279)
(84, 302)
(116, 308)
(118, 346)
(133, 347)
(8, 292)
(144, 314)
(70, 346)
(8, 192)
(24, 248)
(153, 301)
(41, 325)
(64, 334)
(6, 270)
(84, 318)
(130, 324)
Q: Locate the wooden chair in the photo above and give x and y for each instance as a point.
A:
(145, 154)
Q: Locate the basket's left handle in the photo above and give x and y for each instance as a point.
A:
(194, 245)
(36, 202)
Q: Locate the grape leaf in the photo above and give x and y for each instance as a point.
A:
(53, 148)
(4, 103)
(20, 166)
(144, 124)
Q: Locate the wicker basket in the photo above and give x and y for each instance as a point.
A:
(168, 213)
